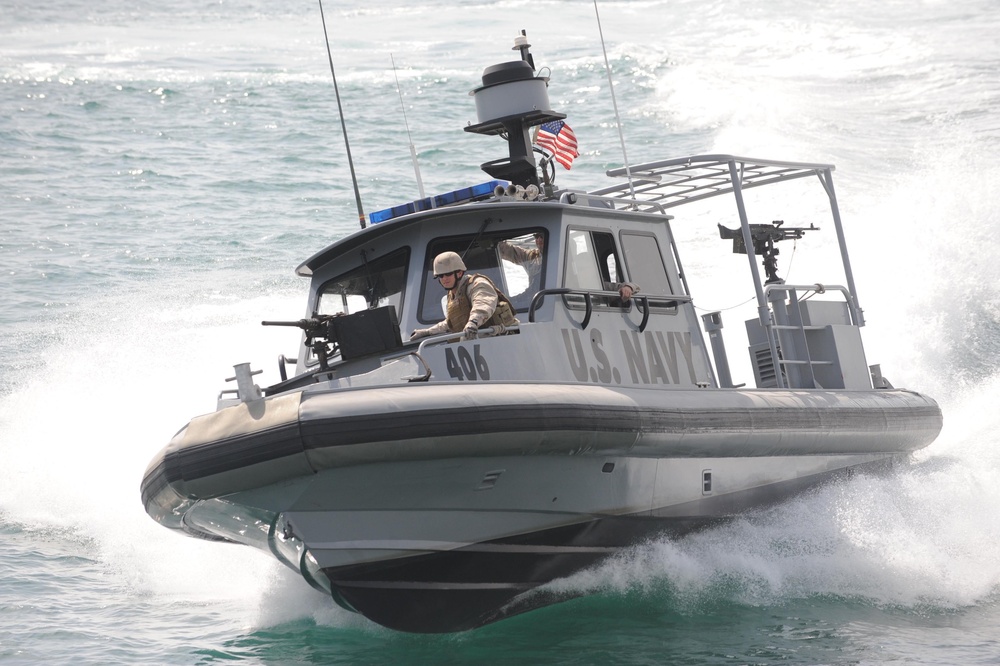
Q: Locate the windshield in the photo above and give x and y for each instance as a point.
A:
(373, 284)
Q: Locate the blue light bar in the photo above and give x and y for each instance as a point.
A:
(462, 195)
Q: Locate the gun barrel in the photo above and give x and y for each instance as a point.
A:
(302, 323)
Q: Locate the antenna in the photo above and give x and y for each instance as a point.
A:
(413, 151)
(343, 125)
(618, 120)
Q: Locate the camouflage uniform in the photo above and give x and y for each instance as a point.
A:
(475, 298)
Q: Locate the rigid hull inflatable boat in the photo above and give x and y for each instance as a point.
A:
(438, 485)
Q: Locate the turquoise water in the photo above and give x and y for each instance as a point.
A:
(163, 169)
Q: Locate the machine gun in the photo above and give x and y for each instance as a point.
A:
(764, 236)
(321, 335)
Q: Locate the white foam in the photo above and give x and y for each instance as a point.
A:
(105, 396)
(923, 535)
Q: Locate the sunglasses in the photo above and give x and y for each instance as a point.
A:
(438, 277)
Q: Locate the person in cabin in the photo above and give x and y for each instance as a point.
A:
(473, 301)
(625, 290)
(530, 260)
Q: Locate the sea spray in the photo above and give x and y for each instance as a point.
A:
(915, 537)
(105, 394)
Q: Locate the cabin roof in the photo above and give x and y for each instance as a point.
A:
(372, 232)
(664, 184)
(682, 180)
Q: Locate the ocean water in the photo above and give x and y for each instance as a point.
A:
(165, 166)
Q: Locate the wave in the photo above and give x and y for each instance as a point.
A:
(917, 538)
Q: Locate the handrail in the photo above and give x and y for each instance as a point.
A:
(540, 295)
(645, 310)
(427, 369)
(282, 362)
(657, 207)
(642, 302)
(819, 288)
(775, 325)
(487, 332)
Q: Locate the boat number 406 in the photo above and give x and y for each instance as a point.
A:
(463, 364)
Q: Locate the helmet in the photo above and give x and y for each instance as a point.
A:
(448, 262)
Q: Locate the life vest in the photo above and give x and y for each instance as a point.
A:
(460, 307)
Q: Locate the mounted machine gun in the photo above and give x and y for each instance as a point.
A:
(321, 335)
(764, 236)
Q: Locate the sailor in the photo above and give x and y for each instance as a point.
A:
(473, 301)
(625, 289)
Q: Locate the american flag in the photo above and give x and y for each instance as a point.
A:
(558, 138)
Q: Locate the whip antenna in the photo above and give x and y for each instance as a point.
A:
(413, 151)
(618, 120)
(343, 125)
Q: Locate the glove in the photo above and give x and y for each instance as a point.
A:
(420, 333)
(471, 331)
(499, 329)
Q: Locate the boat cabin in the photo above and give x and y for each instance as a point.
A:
(559, 255)
(559, 262)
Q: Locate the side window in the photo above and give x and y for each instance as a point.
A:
(523, 262)
(592, 264)
(514, 261)
(646, 266)
(607, 257)
(581, 262)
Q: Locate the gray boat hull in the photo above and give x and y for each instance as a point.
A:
(439, 508)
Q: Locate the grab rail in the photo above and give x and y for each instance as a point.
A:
(487, 332)
(282, 362)
(616, 203)
(791, 320)
(817, 288)
(540, 295)
(642, 302)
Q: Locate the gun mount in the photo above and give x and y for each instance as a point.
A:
(321, 335)
(764, 236)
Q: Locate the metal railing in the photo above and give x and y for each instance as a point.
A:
(441, 338)
(615, 203)
(796, 350)
(641, 301)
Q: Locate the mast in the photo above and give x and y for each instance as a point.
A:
(510, 102)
